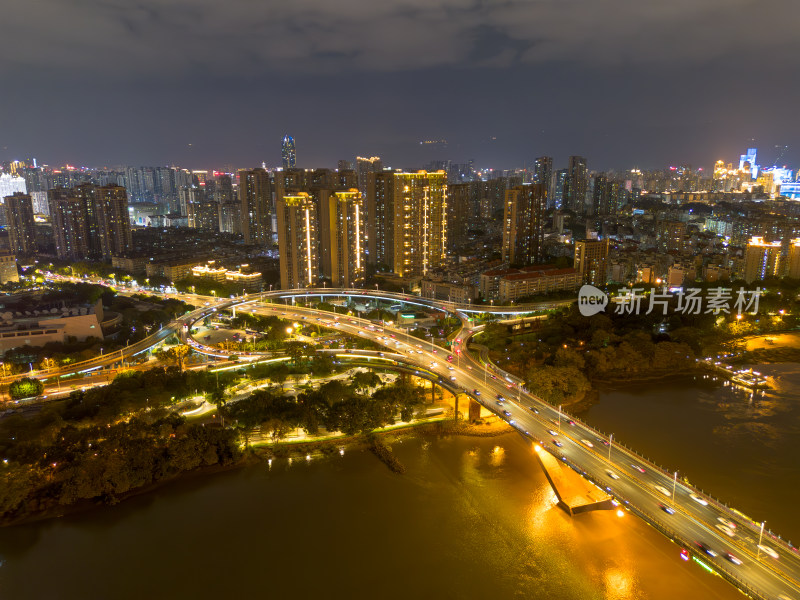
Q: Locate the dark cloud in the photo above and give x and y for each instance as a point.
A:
(621, 81)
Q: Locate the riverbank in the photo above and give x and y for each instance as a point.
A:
(282, 450)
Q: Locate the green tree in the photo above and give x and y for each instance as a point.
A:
(363, 380)
(178, 354)
(296, 350)
(26, 387)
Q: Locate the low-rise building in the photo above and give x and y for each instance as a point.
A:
(8, 268)
(451, 292)
(37, 327)
(531, 282)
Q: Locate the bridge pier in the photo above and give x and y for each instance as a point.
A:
(575, 494)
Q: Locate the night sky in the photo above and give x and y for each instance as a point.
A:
(211, 83)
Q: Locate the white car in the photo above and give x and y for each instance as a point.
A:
(611, 474)
(769, 551)
(698, 499)
(587, 443)
(663, 490)
(727, 522)
(725, 529)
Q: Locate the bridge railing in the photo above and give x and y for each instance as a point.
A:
(688, 545)
(753, 526)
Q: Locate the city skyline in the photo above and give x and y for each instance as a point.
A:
(622, 84)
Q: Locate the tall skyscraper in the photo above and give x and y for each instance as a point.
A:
(365, 166)
(458, 214)
(342, 236)
(69, 217)
(114, 224)
(380, 219)
(591, 258)
(11, 184)
(255, 197)
(523, 224)
(557, 186)
(20, 223)
(543, 171)
(297, 240)
(600, 200)
(793, 259)
(420, 222)
(90, 222)
(288, 153)
(575, 185)
(762, 259)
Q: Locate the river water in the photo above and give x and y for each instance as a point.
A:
(471, 518)
(740, 448)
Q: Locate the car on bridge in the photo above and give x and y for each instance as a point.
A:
(506, 413)
(638, 468)
(734, 560)
(587, 443)
(725, 529)
(706, 549)
(534, 409)
(768, 551)
(611, 474)
(698, 499)
(667, 509)
(551, 432)
(557, 443)
(662, 489)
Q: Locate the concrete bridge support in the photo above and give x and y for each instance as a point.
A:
(575, 494)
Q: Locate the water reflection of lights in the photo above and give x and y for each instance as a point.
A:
(498, 456)
(618, 583)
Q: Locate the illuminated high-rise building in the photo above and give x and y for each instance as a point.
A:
(557, 185)
(380, 219)
(288, 153)
(748, 164)
(297, 240)
(762, 259)
(543, 170)
(365, 166)
(90, 222)
(255, 198)
(591, 258)
(459, 211)
(342, 236)
(420, 222)
(793, 259)
(69, 217)
(114, 224)
(523, 224)
(670, 235)
(575, 185)
(20, 224)
(11, 184)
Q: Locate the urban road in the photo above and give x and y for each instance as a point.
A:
(721, 538)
